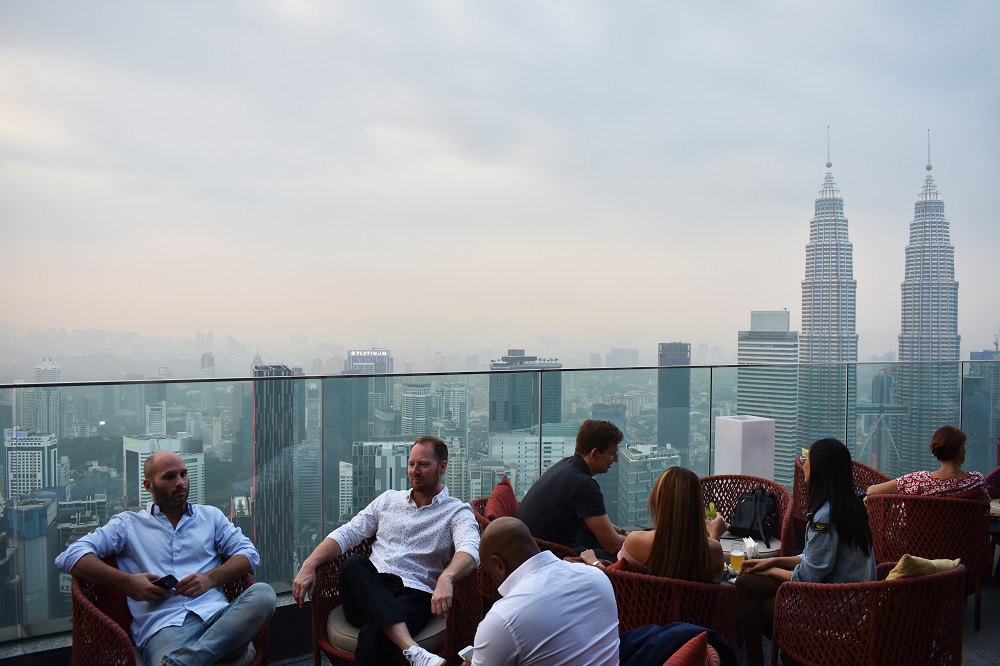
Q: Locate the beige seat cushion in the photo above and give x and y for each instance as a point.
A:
(910, 566)
(344, 636)
(247, 657)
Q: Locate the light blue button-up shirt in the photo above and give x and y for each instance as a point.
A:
(146, 542)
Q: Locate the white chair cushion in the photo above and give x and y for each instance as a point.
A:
(344, 636)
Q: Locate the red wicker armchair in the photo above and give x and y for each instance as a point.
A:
(479, 511)
(864, 476)
(933, 527)
(102, 624)
(460, 625)
(725, 491)
(902, 621)
(992, 484)
(485, 586)
(993, 488)
(644, 599)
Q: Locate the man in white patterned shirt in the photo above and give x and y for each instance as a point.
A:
(425, 540)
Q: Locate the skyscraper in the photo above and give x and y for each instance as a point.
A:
(616, 413)
(350, 407)
(32, 459)
(135, 452)
(929, 330)
(48, 400)
(208, 389)
(519, 399)
(673, 394)
(156, 419)
(273, 477)
(828, 339)
(417, 409)
(766, 382)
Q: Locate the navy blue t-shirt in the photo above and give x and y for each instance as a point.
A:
(556, 504)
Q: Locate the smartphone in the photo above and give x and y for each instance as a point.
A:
(465, 652)
(167, 582)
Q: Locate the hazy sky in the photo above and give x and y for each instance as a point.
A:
(470, 175)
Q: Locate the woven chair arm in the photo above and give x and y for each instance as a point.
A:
(97, 639)
(908, 620)
(643, 599)
(326, 592)
(465, 615)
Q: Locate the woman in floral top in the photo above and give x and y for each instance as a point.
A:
(948, 446)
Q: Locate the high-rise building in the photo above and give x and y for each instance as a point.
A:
(828, 338)
(766, 382)
(453, 410)
(417, 409)
(673, 398)
(520, 399)
(308, 498)
(929, 332)
(379, 466)
(530, 455)
(135, 452)
(156, 419)
(273, 478)
(32, 462)
(208, 388)
(345, 505)
(638, 468)
(615, 413)
(34, 540)
(622, 358)
(981, 408)
(44, 402)
(372, 362)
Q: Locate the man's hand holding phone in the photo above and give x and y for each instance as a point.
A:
(167, 582)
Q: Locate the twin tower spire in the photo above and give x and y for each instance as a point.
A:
(929, 312)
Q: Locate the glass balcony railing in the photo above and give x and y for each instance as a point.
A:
(289, 458)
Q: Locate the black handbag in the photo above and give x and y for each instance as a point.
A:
(755, 515)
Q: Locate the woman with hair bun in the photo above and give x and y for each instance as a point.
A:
(948, 446)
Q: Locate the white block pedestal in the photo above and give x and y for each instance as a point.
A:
(744, 445)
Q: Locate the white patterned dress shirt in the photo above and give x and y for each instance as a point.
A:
(415, 543)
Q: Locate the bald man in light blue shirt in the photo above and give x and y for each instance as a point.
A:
(192, 623)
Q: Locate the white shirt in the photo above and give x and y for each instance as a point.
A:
(552, 612)
(415, 543)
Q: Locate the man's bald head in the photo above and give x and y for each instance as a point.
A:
(506, 544)
(158, 458)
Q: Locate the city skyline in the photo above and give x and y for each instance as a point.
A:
(546, 163)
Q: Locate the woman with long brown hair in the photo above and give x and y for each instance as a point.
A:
(678, 546)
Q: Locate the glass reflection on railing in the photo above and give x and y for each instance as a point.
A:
(289, 457)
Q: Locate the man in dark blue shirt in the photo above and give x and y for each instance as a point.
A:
(565, 505)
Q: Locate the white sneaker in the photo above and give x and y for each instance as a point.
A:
(417, 656)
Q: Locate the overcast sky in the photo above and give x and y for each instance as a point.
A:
(475, 175)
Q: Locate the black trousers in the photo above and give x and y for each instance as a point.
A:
(755, 605)
(373, 600)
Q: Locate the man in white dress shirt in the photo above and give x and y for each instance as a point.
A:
(552, 612)
(425, 540)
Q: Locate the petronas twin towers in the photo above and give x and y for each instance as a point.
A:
(929, 331)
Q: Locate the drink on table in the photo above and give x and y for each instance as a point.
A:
(736, 557)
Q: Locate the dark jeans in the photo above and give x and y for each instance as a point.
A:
(755, 606)
(585, 540)
(373, 600)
